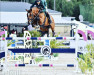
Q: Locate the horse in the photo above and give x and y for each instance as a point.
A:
(35, 17)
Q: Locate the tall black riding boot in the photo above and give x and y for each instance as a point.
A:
(50, 21)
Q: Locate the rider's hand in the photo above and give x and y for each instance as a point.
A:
(40, 11)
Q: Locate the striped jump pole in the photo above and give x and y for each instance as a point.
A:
(41, 65)
(2, 54)
(37, 50)
(41, 38)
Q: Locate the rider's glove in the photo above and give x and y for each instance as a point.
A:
(40, 11)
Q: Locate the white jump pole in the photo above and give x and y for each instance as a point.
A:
(41, 65)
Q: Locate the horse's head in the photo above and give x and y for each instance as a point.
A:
(32, 15)
(29, 16)
(35, 11)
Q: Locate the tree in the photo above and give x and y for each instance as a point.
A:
(50, 4)
(65, 7)
(84, 2)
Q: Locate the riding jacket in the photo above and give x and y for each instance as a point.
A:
(44, 2)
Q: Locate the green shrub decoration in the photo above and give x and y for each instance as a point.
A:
(35, 33)
(21, 34)
(38, 59)
(86, 61)
(55, 54)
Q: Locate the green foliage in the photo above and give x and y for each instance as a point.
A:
(68, 8)
(55, 54)
(10, 0)
(41, 43)
(21, 35)
(86, 63)
(65, 7)
(3, 35)
(21, 57)
(91, 50)
(71, 8)
(10, 42)
(35, 33)
(34, 42)
(56, 44)
(38, 59)
(16, 58)
(87, 12)
(50, 4)
(84, 2)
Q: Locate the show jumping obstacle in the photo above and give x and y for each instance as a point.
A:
(39, 50)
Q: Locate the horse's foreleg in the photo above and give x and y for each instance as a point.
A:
(42, 34)
(48, 33)
(53, 29)
(53, 33)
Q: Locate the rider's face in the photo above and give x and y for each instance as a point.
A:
(38, 2)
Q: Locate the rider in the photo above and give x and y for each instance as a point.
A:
(41, 4)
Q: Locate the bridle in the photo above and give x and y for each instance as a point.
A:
(32, 17)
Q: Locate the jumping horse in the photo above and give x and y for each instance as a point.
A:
(35, 18)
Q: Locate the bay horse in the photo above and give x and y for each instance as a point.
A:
(35, 17)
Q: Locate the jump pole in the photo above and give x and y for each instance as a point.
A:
(41, 65)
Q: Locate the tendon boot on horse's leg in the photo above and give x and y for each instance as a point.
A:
(53, 33)
(42, 34)
(48, 33)
(49, 17)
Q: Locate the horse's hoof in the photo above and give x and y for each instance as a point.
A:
(53, 34)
